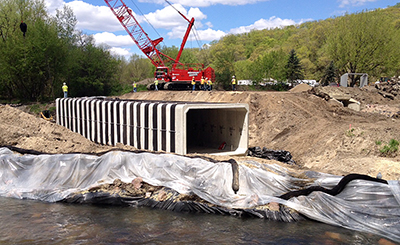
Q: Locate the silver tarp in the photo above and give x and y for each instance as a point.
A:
(363, 205)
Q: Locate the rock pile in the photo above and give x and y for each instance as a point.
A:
(389, 89)
(389, 111)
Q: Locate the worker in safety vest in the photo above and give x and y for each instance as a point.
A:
(156, 84)
(209, 82)
(65, 90)
(193, 84)
(134, 87)
(233, 83)
(202, 85)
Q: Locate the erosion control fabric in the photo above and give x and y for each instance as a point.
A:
(366, 206)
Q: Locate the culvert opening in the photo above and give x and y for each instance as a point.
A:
(219, 130)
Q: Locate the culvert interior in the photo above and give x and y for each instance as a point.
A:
(213, 131)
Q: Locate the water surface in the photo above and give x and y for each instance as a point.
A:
(34, 222)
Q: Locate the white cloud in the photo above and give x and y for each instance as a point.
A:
(169, 18)
(90, 17)
(120, 52)
(113, 40)
(210, 34)
(118, 44)
(95, 18)
(200, 35)
(344, 3)
(271, 23)
(52, 5)
(205, 3)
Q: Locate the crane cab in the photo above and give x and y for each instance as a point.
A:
(162, 73)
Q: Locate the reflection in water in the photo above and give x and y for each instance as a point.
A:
(33, 222)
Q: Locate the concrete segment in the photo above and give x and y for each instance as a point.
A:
(177, 127)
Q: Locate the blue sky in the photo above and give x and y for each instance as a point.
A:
(213, 18)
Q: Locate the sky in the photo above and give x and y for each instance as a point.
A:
(213, 18)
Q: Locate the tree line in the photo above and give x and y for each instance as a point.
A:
(34, 66)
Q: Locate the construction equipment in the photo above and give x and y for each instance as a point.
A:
(171, 73)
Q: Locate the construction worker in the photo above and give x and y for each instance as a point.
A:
(156, 84)
(134, 87)
(233, 83)
(65, 90)
(209, 82)
(202, 85)
(193, 84)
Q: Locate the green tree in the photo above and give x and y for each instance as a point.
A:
(294, 71)
(187, 55)
(66, 24)
(94, 71)
(269, 65)
(30, 64)
(363, 43)
(203, 55)
(224, 54)
(137, 69)
(330, 75)
(243, 69)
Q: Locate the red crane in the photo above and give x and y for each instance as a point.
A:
(172, 73)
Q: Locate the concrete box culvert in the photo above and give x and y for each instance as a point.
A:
(177, 127)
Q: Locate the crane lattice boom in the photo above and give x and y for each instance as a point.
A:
(139, 36)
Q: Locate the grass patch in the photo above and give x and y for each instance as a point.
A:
(350, 132)
(36, 108)
(129, 89)
(390, 149)
(14, 102)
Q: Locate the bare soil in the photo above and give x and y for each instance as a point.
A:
(321, 134)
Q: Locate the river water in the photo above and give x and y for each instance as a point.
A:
(35, 222)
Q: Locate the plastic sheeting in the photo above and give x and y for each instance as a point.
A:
(278, 155)
(363, 205)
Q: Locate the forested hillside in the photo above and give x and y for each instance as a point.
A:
(362, 42)
(34, 65)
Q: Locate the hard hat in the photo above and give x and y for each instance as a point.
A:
(233, 76)
(64, 83)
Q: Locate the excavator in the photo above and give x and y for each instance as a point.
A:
(170, 72)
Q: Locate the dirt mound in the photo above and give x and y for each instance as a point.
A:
(366, 95)
(301, 88)
(27, 131)
(320, 135)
